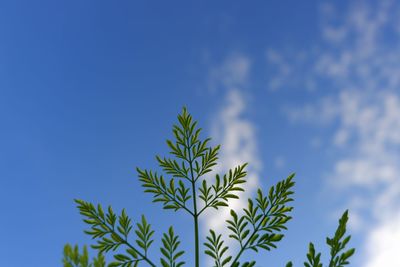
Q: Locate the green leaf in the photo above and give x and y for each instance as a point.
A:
(263, 219)
(73, 258)
(218, 194)
(171, 197)
(144, 234)
(170, 251)
(111, 231)
(314, 260)
(338, 243)
(216, 249)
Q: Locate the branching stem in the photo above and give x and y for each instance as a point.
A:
(256, 229)
(195, 214)
(124, 241)
(172, 197)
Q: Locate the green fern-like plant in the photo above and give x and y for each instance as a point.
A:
(74, 258)
(185, 184)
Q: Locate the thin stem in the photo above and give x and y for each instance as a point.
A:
(243, 248)
(141, 255)
(195, 214)
(196, 228)
(207, 205)
(331, 262)
(266, 214)
(172, 197)
(124, 241)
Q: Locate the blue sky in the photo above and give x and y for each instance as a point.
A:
(90, 89)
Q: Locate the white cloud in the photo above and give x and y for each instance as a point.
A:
(232, 74)
(281, 66)
(322, 112)
(238, 145)
(235, 133)
(358, 66)
(383, 243)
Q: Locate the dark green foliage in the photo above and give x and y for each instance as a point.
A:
(185, 185)
(73, 258)
(172, 197)
(263, 220)
(314, 260)
(193, 159)
(336, 244)
(215, 249)
(218, 194)
(246, 264)
(111, 231)
(268, 217)
(144, 234)
(170, 250)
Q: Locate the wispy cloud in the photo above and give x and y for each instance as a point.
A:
(234, 132)
(233, 73)
(237, 138)
(358, 67)
(382, 244)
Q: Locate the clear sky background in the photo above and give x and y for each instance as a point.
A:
(90, 89)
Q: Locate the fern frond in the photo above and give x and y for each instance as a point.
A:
(222, 190)
(263, 219)
(170, 250)
(216, 249)
(111, 231)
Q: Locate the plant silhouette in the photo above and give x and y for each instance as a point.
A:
(186, 186)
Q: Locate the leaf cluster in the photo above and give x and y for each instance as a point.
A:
(259, 227)
(73, 258)
(337, 244)
(112, 230)
(185, 185)
(218, 194)
(193, 158)
(170, 250)
(172, 197)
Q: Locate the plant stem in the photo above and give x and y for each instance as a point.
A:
(124, 241)
(196, 228)
(243, 248)
(195, 214)
(140, 254)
